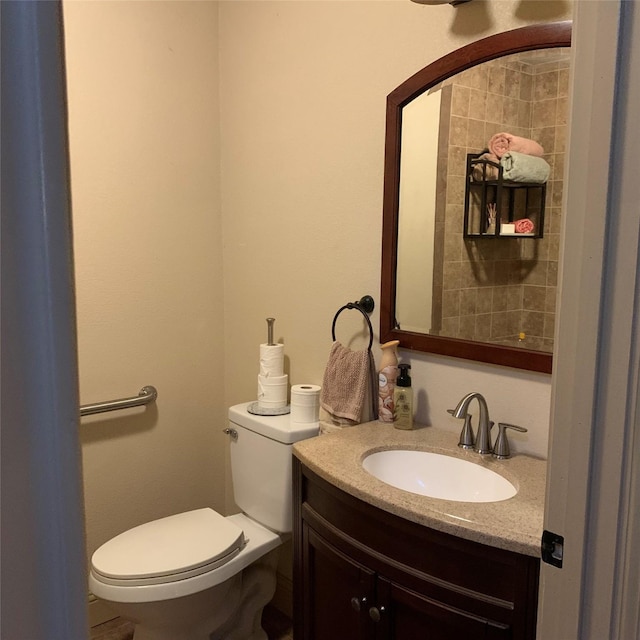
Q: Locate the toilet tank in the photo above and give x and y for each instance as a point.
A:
(261, 464)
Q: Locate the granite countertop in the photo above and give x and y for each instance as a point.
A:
(514, 524)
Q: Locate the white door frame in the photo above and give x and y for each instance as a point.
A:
(594, 465)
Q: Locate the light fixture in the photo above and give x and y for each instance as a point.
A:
(451, 2)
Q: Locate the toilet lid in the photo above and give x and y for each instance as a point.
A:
(169, 549)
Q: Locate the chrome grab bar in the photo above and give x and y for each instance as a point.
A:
(145, 396)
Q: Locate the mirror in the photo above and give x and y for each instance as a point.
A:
(485, 296)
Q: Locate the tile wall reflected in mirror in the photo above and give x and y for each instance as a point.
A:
(485, 289)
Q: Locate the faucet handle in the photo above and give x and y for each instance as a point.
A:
(467, 439)
(501, 447)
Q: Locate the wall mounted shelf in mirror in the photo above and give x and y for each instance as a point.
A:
(495, 207)
(471, 286)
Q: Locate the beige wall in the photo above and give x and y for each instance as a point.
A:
(143, 95)
(417, 212)
(283, 186)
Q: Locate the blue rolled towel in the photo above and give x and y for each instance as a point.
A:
(521, 167)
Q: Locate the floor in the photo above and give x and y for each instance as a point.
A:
(276, 624)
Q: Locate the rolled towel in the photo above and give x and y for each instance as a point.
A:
(503, 142)
(521, 167)
(482, 171)
(524, 225)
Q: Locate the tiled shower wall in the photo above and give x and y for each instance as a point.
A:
(492, 289)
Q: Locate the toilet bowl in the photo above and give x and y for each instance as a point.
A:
(199, 575)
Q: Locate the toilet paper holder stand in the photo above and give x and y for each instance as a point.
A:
(365, 306)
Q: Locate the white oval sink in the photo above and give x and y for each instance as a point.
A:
(438, 476)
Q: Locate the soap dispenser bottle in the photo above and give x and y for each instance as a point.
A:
(387, 375)
(403, 399)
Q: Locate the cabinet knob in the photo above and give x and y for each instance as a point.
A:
(357, 602)
(375, 613)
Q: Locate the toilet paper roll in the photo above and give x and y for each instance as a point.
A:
(273, 381)
(305, 394)
(305, 403)
(304, 415)
(272, 391)
(271, 360)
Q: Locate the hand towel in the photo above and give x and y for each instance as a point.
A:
(521, 167)
(347, 386)
(327, 426)
(503, 142)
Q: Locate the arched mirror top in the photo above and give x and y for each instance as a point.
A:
(526, 39)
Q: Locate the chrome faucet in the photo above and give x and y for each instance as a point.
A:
(483, 441)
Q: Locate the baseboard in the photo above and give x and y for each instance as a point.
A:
(283, 597)
(99, 612)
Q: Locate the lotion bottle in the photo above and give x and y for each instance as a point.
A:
(403, 399)
(387, 375)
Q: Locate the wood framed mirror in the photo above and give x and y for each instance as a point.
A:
(496, 319)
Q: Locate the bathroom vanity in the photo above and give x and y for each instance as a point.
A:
(373, 561)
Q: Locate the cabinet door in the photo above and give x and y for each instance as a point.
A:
(338, 593)
(409, 616)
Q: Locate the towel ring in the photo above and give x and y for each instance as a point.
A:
(365, 306)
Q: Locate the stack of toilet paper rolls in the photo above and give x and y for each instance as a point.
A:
(305, 403)
(273, 383)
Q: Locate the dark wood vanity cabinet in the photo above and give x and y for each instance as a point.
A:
(361, 573)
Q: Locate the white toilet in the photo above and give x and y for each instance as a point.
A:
(199, 575)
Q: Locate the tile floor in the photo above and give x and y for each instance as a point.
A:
(276, 624)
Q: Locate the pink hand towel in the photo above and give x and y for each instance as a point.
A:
(503, 142)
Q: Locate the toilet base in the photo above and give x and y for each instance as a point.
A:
(190, 617)
(258, 588)
(231, 610)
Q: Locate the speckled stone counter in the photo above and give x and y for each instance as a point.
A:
(514, 524)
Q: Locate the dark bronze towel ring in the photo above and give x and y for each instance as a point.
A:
(365, 306)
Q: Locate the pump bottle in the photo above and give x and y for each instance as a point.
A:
(403, 399)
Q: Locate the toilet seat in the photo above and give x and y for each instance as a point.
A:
(168, 550)
(258, 541)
